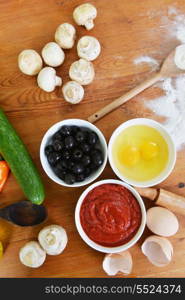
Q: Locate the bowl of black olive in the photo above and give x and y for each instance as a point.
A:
(73, 152)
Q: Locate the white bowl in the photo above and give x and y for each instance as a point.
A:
(96, 246)
(171, 148)
(77, 122)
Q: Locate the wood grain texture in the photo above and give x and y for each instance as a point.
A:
(126, 30)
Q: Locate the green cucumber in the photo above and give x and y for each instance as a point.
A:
(19, 160)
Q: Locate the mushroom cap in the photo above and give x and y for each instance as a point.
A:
(32, 255)
(29, 62)
(47, 79)
(53, 55)
(73, 92)
(84, 14)
(82, 71)
(179, 57)
(65, 35)
(118, 262)
(53, 239)
(161, 221)
(158, 250)
(88, 47)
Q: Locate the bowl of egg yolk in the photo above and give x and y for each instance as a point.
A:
(141, 152)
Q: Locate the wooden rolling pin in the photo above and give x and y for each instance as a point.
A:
(164, 198)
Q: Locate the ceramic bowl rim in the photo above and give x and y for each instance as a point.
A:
(51, 130)
(171, 146)
(96, 246)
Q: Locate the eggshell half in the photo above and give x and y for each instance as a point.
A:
(161, 221)
(158, 250)
(118, 262)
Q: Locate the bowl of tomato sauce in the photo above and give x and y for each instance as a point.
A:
(110, 216)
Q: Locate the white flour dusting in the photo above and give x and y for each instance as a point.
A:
(171, 105)
(176, 23)
(179, 25)
(147, 59)
(172, 11)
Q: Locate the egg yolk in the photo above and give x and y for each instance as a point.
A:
(129, 156)
(149, 150)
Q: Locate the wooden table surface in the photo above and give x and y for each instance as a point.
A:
(126, 30)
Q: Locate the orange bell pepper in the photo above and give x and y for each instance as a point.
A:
(4, 171)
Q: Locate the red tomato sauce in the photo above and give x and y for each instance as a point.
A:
(110, 215)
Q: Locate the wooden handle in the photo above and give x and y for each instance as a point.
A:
(116, 103)
(164, 198)
(171, 201)
(149, 193)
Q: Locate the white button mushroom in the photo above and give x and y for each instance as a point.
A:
(85, 14)
(179, 57)
(53, 55)
(88, 47)
(53, 239)
(47, 79)
(82, 71)
(65, 35)
(32, 255)
(73, 92)
(29, 62)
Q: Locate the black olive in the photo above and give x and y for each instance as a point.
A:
(77, 154)
(60, 173)
(70, 164)
(92, 167)
(78, 168)
(86, 160)
(95, 152)
(69, 142)
(65, 130)
(60, 166)
(97, 158)
(85, 147)
(87, 171)
(58, 145)
(80, 177)
(92, 138)
(64, 163)
(56, 136)
(49, 149)
(74, 129)
(53, 158)
(70, 178)
(80, 136)
(66, 154)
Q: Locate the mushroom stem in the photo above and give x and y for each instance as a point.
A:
(48, 80)
(89, 24)
(58, 81)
